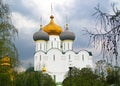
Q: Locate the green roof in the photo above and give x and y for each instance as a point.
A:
(90, 53)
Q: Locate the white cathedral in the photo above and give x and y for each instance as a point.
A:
(54, 51)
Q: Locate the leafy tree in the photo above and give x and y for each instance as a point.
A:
(7, 46)
(5, 79)
(30, 69)
(113, 77)
(34, 79)
(7, 34)
(83, 77)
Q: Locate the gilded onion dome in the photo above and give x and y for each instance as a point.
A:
(52, 28)
(67, 34)
(44, 69)
(41, 35)
(5, 61)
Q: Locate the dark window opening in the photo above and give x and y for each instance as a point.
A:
(40, 57)
(83, 57)
(69, 57)
(53, 57)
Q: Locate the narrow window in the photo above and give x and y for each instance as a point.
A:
(44, 47)
(69, 58)
(40, 46)
(64, 46)
(82, 57)
(68, 46)
(40, 57)
(53, 57)
(51, 44)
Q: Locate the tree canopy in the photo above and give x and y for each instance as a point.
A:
(34, 79)
(7, 34)
(83, 77)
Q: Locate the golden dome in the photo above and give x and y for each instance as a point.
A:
(5, 64)
(44, 69)
(5, 59)
(52, 28)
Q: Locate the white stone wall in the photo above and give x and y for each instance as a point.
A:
(57, 64)
(57, 59)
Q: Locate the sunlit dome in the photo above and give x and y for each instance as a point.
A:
(44, 69)
(5, 61)
(52, 28)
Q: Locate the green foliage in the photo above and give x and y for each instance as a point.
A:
(83, 77)
(7, 29)
(30, 69)
(34, 79)
(113, 77)
(4, 69)
(7, 34)
(5, 79)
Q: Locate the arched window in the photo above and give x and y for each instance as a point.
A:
(40, 46)
(51, 44)
(53, 57)
(44, 47)
(82, 57)
(69, 58)
(64, 46)
(68, 46)
(40, 58)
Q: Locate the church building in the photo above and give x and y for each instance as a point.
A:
(54, 51)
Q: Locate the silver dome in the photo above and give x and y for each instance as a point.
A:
(40, 35)
(67, 35)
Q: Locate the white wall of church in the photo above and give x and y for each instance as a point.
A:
(56, 55)
(57, 63)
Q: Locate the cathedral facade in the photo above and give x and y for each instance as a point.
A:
(54, 51)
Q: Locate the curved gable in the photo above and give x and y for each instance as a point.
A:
(54, 50)
(84, 52)
(39, 53)
(54, 54)
(70, 52)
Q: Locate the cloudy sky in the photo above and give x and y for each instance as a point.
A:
(26, 16)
